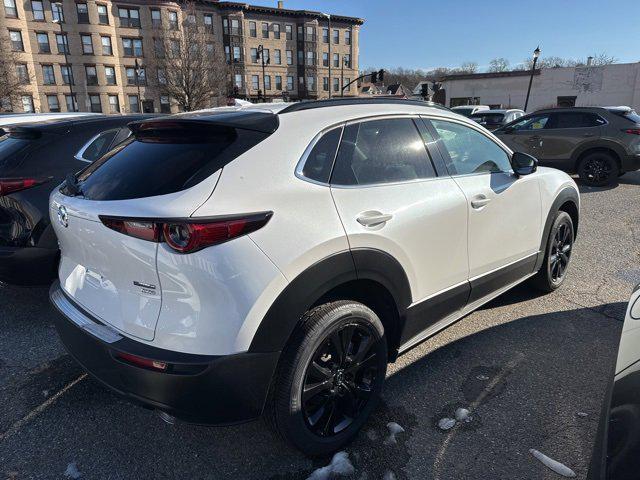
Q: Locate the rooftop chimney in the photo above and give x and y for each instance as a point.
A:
(589, 61)
(280, 4)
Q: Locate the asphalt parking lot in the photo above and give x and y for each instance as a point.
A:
(528, 367)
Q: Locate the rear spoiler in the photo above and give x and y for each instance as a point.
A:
(199, 124)
(27, 133)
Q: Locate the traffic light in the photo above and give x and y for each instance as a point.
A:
(424, 90)
(374, 77)
(381, 75)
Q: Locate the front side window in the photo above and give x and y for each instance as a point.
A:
(319, 162)
(468, 151)
(381, 151)
(535, 122)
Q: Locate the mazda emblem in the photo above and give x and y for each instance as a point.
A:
(63, 217)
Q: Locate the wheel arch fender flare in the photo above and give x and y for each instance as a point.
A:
(566, 195)
(321, 278)
(601, 144)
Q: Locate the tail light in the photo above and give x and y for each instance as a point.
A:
(12, 185)
(142, 362)
(189, 235)
(632, 131)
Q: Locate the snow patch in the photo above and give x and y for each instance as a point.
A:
(582, 414)
(389, 475)
(72, 471)
(463, 415)
(554, 465)
(394, 429)
(446, 423)
(45, 393)
(482, 377)
(339, 466)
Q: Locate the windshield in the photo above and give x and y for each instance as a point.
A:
(463, 111)
(488, 118)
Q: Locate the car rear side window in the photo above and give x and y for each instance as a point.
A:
(575, 120)
(97, 146)
(381, 151)
(318, 164)
(468, 151)
(147, 167)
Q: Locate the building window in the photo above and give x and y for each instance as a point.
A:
(208, 22)
(311, 58)
(276, 31)
(311, 83)
(325, 59)
(131, 76)
(311, 34)
(277, 56)
(96, 105)
(325, 35)
(53, 103)
(300, 57)
(134, 104)
(132, 47)
(254, 55)
(83, 12)
(227, 53)
(265, 30)
(301, 83)
(87, 44)
(174, 47)
(347, 80)
(288, 29)
(325, 84)
(347, 37)
(289, 57)
(191, 19)
(237, 54)
(156, 18)
(267, 82)
(265, 56)
(347, 60)
(336, 84)
(114, 104)
(336, 36)
(165, 106)
(173, 20)
(235, 26)
(255, 82)
(62, 43)
(27, 104)
(103, 15)
(162, 77)
(57, 12)
(106, 46)
(16, 40)
(253, 31)
(43, 43)
(129, 17)
(290, 83)
(336, 60)
(37, 8)
(22, 72)
(67, 74)
(70, 101)
(92, 74)
(110, 75)
(278, 82)
(10, 8)
(237, 80)
(48, 76)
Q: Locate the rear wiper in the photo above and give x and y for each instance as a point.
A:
(73, 188)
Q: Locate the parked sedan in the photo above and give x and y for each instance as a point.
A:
(598, 143)
(34, 158)
(468, 110)
(492, 119)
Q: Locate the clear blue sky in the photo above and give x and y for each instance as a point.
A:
(427, 34)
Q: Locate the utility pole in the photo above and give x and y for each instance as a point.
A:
(536, 54)
(328, 17)
(74, 103)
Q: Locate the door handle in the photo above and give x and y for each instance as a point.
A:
(373, 218)
(479, 201)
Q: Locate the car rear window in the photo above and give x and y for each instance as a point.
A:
(147, 167)
(14, 153)
(488, 118)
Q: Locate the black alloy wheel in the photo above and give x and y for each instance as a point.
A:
(560, 252)
(598, 169)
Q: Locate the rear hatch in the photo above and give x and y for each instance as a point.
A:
(167, 170)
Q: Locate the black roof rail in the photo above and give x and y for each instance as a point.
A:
(338, 102)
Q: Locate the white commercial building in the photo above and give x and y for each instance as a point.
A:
(617, 84)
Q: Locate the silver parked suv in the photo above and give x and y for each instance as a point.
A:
(598, 143)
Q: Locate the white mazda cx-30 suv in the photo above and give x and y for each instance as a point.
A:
(272, 259)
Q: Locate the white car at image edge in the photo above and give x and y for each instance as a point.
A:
(272, 259)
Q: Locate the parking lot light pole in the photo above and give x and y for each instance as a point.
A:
(536, 54)
(65, 41)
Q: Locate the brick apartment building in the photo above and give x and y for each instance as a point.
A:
(104, 39)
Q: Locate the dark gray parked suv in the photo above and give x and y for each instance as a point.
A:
(599, 143)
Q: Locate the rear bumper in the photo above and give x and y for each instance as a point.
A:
(208, 390)
(28, 265)
(631, 163)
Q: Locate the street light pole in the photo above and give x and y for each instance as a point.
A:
(536, 54)
(344, 61)
(137, 70)
(74, 104)
(264, 85)
(330, 60)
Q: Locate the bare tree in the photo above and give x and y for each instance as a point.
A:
(11, 83)
(191, 68)
(467, 67)
(500, 64)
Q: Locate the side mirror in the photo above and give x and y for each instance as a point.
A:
(523, 164)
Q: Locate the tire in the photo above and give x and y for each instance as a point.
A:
(307, 423)
(549, 278)
(598, 169)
